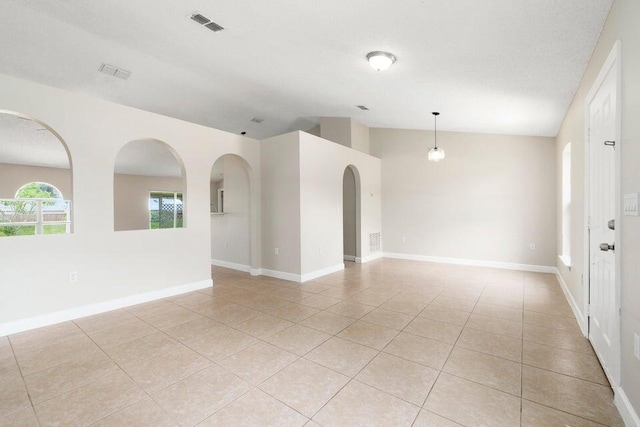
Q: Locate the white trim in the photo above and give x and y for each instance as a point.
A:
(566, 261)
(255, 271)
(97, 308)
(279, 274)
(300, 278)
(627, 412)
(613, 60)
(323, 272)
(582, 321)
(350, 258)
(368, 258)
(231, 265)
(477, 263)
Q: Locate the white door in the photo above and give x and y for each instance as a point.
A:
(603, 326)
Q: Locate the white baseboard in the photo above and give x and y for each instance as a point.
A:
(582, 321)
(350, 258)
(279, 274)
(300, 278)
(255, 272)
(473, 262)
(370, 257)
(323, 272)
(231, 265)
(97, 308)
(627, 412)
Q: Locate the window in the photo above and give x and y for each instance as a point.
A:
(566, 205)
(37, 208)
(165, 210)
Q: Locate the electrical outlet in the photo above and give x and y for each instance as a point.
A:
(636, 345)
(276, 251)
(532, 246)
(73, 277)
(403, 239)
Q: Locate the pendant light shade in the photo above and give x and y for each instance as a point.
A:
(435, 154)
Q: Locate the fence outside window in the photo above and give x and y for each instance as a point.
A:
(24, 217)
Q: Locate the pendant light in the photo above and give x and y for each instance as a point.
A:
(435, 154)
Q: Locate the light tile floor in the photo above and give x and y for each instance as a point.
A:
(395, 343)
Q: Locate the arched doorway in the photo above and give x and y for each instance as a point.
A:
(351, 214)
(230, 208)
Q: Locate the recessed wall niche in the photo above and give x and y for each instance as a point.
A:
(149, 187)
(35, 178)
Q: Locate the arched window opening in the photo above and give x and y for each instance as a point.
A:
(37, 208)
(34, 160)
(149, 187)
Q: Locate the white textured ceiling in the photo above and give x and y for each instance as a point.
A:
(25, 142)
(500, 66)
(148, 158)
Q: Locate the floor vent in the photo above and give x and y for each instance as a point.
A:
(374, 242)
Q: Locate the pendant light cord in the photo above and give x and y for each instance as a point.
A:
(435, 129)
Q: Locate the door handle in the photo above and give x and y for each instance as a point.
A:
(607, 247)
(611, 224)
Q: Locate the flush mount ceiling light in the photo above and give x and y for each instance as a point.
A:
(435, 154)
(380, 61)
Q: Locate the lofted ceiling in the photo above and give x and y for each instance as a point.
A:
(496, 66)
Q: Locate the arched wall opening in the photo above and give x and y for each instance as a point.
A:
(149, 187)
(351, 217)
(35, 171)
(230, 209)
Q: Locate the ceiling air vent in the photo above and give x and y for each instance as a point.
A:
(257, 120)
(114, 71)
(362, 107)
(214, 27)
(203, 20)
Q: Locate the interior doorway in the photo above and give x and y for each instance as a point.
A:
(230, 210)
(351, 214)
(603, 215)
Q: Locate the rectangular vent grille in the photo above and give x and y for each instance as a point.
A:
(362, 107)
(214, 27)
(114, 71)
(206, 22)
(200, 19)
(257, 120)
(374, 242)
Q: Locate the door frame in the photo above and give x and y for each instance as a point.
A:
(612, 63)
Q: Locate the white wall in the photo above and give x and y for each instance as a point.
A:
(344, 131)
(231, 232)
(112, 264)
(360, 139)
(622, 25)
(487, 200)
(349, 220)
(302, 202)
(336, 129)
(322, 166)
(12, 177)
(280, 178)
(131, 199)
